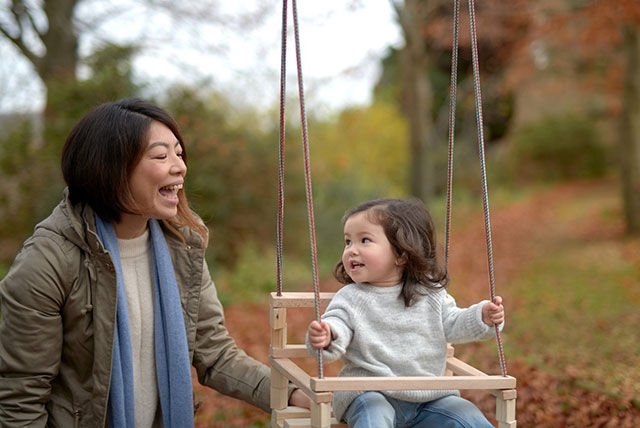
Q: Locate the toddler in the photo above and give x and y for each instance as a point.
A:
(395, 317)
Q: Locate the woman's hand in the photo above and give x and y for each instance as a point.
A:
(299, 399)
(319, 334)
(493, 313)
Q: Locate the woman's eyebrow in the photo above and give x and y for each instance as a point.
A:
(161, 143)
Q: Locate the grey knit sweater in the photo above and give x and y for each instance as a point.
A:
(376, 335)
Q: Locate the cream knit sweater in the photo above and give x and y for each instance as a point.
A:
(376, 335)
(135, 258)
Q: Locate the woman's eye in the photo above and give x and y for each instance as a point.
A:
(180, 155)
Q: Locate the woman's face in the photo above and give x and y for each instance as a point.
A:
(155, 181)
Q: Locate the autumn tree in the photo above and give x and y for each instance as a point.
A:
(422, 66)
(597, 43)
(629, 127)
(417, 92)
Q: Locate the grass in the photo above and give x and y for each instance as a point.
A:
(578, 314)
(579, 318)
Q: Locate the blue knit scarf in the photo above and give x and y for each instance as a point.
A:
(173, 367)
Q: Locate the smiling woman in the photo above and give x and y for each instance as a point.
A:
(110, 302)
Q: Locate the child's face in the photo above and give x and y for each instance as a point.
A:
(368, 255)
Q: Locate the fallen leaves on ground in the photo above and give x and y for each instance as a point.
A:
(544, 400)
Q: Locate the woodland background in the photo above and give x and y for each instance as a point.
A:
(561, 99)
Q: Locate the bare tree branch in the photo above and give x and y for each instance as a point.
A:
(17, 8)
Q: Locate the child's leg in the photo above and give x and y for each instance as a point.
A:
(370, 410)
(450, 412)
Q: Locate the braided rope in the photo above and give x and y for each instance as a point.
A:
(452, 129)
(281, 151)
(307, 167)
(485, 192)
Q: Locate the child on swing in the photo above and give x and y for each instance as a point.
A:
(395, 317)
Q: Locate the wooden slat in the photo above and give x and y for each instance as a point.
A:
(291, 351)
(411, 383)
(299, 299)
(508, 394)
(506, 411)
(291, 412)
(306, 423)
(321, 415)
(279, 338)
(278, 318)
(300, 378)
(461, 368)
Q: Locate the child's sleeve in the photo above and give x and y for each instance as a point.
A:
(338, 315)
(463, 325)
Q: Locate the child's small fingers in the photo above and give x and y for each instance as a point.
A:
(316, 326)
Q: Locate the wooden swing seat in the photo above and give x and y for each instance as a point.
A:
(460, 375)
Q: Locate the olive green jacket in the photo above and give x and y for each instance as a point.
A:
(58, 312)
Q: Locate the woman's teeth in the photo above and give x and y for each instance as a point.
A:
(173, 187)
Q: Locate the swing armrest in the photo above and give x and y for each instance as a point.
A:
(411, 383)
(299, 378)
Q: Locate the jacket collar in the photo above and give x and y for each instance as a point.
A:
(77, 224)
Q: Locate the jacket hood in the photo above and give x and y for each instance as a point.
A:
(75, 223)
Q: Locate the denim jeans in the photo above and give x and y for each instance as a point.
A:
(372, 409)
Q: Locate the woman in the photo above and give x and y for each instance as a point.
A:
(110, 301)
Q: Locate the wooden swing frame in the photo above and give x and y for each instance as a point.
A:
(459, 375)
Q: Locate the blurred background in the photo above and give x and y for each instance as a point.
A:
(561, 102)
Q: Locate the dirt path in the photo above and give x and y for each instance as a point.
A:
(520, 231)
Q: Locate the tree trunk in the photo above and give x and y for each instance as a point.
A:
(417, 93)
(630, 130)
(58, 65)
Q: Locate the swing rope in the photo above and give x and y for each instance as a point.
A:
(307, 163)
(452, 129)
(281, 153)
(481, 152)
(307, 167)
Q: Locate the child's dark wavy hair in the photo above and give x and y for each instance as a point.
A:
(409, 228)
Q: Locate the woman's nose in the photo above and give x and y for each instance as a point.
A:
(178, 167)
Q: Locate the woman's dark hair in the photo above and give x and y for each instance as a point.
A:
(101, 152)
(409, 228)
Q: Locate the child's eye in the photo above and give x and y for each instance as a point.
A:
(347, 242)
(366, 240)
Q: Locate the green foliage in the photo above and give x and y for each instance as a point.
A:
(110, 78)
(558, 148)
(18, 161)
(28, 197)
(232, 170)
(365, 144)
(360, 155)
(254, 275)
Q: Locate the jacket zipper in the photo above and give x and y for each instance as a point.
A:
(76, 417)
